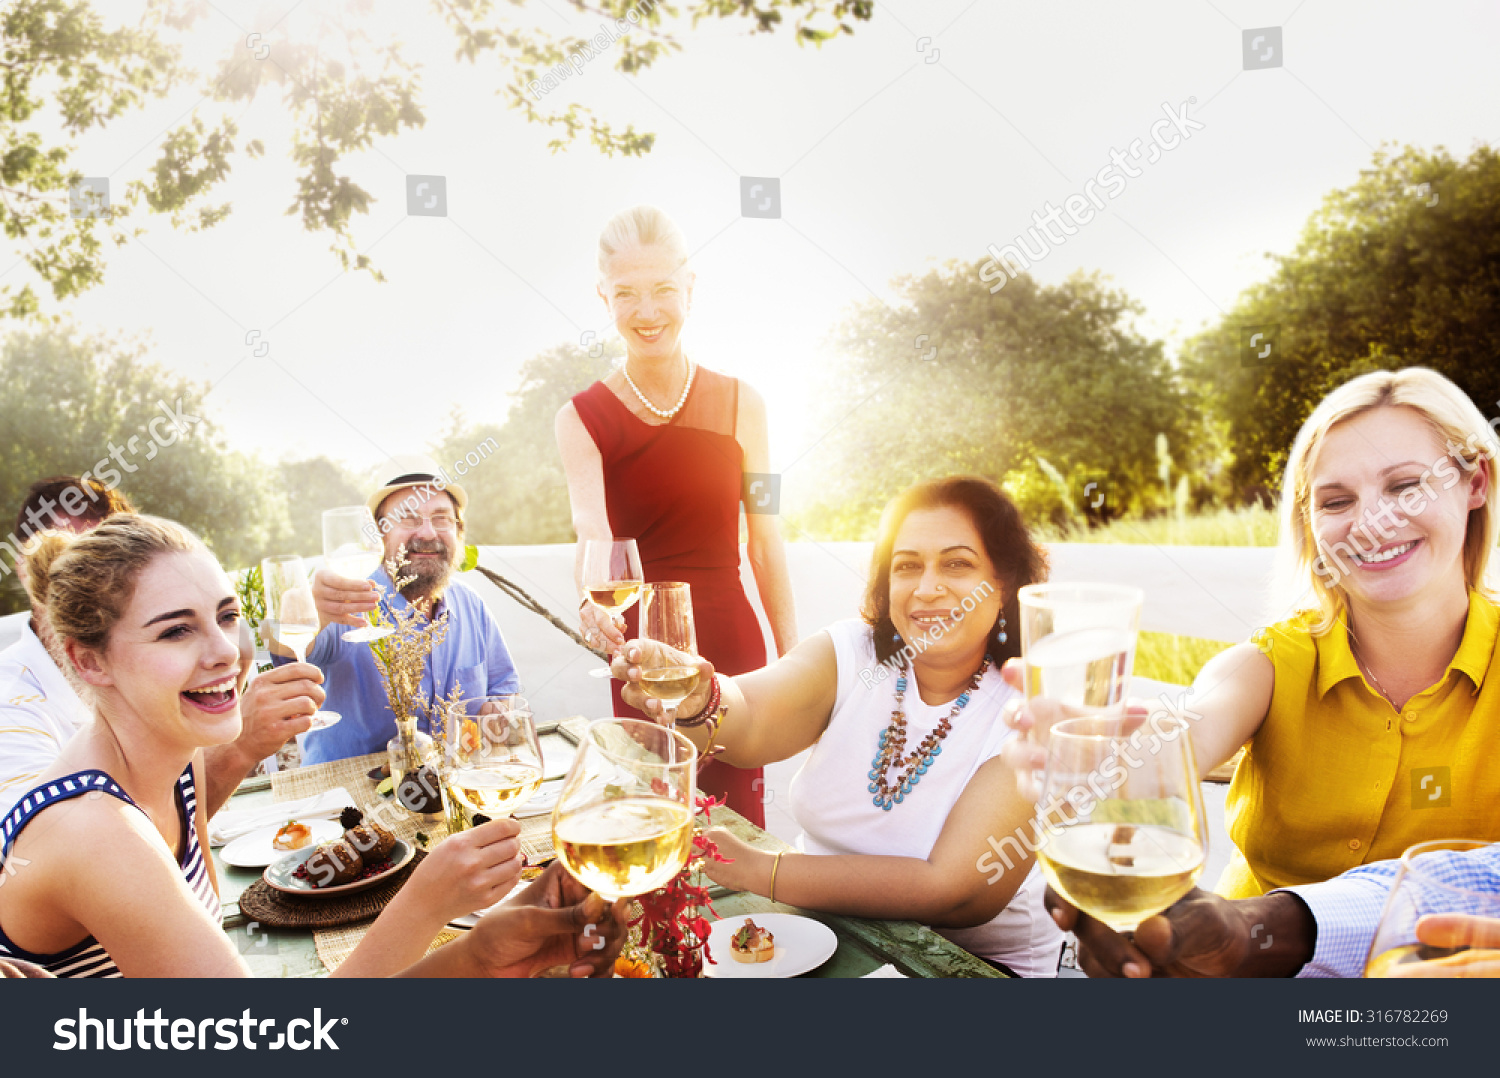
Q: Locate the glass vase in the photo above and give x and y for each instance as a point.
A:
(415, 779)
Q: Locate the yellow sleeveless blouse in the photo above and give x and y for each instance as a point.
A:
(1335, 777)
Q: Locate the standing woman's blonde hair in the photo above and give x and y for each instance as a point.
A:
(87, 581)
(640, 226)
(1302, 567)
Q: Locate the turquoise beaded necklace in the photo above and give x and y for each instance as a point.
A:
(893, 741)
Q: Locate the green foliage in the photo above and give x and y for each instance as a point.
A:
(518, 493)
(71, 404)
(1251, 525)
(66, 70)
(1028, 373)
(1174, 659)
(1387, 274)
(312, 486)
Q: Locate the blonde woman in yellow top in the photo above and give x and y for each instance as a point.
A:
(1372, 715)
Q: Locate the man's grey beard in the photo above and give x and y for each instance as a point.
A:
(431, 576)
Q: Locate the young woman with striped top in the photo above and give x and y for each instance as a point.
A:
(103, 871)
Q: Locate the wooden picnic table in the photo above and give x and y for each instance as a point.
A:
(863, 945)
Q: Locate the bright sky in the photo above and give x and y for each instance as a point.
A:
(937, 129)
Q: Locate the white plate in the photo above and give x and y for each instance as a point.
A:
(255, 850)
(322, 720)
(469, 920)
(802, 944)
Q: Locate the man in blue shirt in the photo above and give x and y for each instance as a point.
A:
(1317, 930)
(420, 508)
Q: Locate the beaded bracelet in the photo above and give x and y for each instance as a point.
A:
(698, 718)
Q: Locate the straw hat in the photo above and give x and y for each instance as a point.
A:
(415, 470)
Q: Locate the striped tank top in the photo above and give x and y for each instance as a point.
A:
(88, 958)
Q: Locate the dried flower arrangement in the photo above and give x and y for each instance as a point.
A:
(401, 660)
(671, 924)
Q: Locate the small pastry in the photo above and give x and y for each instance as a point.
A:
(293, 836)
(333, 864)
(752, 943)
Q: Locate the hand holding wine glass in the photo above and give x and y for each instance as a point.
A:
(1433, 927)
(671, 672)
(612, 579)
(291, 619)
(1127, 836)
(637, 656)
(352, 550)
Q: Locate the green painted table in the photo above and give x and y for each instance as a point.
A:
(864, 946)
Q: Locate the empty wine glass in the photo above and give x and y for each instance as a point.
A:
(291, 615)
(352, 548)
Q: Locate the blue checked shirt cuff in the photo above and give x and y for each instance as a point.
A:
(1346, 910)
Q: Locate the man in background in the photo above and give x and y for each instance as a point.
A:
(42, 706)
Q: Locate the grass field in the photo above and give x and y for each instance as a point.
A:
(1224, 527)
(1164, 656)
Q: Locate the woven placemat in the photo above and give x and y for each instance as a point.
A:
(335, 939)
(262, 902)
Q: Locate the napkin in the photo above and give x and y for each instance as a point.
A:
(886, 970)
(543, 803)
(230, 824)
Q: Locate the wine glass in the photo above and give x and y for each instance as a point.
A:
(291, 615)
(623, 824)
(492, 759)
(1078, 646)
(352, 548)
(1433, 927)
(667, 619)
(612, 577)
(1125, 833)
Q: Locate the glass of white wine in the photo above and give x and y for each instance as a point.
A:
(352, 548)
(492, 759)
(623, 824)
(291, 615)
(612, 577)
(1432, 927)
(1125, 833)
(671, 674)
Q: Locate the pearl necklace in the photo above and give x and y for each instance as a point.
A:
(659, 413)
(893, 741)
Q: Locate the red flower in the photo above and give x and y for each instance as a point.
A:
(672, 924)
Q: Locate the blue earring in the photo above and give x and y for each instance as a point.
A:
(1002, 636)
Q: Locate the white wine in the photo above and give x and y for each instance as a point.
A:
(297, 637)
(670, 684)
(1121, 873)
(354, 564)
(1085, 668)
(625, 847)
(495, 791)
(617, 595)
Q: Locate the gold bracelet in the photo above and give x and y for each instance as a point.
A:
(774, 866)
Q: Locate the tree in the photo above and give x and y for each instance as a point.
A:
(1030, 374)
(343, 90)
(71, 404)
(311, 486)
(518, 492)
(1401, 269)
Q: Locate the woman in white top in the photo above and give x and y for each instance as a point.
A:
(905, 791)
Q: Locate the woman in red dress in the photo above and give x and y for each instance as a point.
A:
(657, 451)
